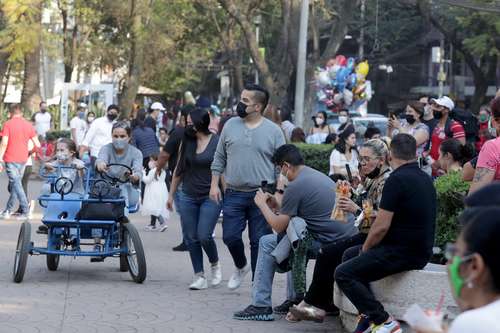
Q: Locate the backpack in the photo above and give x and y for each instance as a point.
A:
(468, 122)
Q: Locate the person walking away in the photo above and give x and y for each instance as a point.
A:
(78, 125)
(28, 169)
(171, 149)
(42, 120)
(199, 212)
(16, 134)
(488, 162)
(156, 194)
(99, 134)
(400, 239)
(246, 146)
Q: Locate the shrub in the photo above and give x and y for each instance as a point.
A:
(57, 134)
(451, 190)
(316, 156)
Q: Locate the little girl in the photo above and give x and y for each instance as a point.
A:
(156, 194)
(65, 155)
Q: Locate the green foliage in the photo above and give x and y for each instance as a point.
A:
(54, 135)
(316, 156)
(451, 190)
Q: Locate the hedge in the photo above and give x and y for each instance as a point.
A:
(57, 134)
(316, 156)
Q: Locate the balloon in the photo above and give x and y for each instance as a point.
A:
(363, 68)
(350, 63)
(341, 60)
(323, 78)
(351, 81)
(321, 95)
(348, 97)
(337, 98)
(333, 71)
(342, 77)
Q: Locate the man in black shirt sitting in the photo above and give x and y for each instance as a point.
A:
(400, 239)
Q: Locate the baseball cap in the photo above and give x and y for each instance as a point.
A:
(157, 106)
(444, 101)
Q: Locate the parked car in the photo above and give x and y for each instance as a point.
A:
(371, 120)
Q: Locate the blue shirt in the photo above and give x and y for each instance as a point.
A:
(144, 138)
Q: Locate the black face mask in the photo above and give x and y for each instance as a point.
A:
(111, 116)
(190, 131)
(374, 174)
(438, 114)
(241, 109)
(410, 119)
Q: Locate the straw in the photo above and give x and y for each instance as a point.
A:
(441, 302)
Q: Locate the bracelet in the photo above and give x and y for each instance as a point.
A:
(280, 191)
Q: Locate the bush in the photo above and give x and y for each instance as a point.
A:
(316, 156)
(451, 190)
(57, 134)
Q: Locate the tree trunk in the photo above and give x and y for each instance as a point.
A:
(481, 81)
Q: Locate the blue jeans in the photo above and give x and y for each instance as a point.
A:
(15, 174)
(177, 203)
(239, 208)
(199, 217)
(264, 272)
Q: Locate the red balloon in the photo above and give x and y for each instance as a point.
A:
(341, 60)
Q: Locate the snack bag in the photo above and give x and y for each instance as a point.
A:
(343, 190)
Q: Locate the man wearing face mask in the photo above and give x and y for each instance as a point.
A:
(445, 127)
(308, 199)
(78, 125)
(99, 133)
(344, 119)
(246, 146)
(42, 120)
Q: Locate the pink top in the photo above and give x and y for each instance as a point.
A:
(489, 157)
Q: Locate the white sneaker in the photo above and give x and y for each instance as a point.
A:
(5, 214)
(150, 228)
(163, 227)
(216, 275)
(235, 280)
(199, 283)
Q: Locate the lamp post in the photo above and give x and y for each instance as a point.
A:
(300, 83)
(257, 21)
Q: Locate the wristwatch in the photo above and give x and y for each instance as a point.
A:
(280, 191)
(358, 212)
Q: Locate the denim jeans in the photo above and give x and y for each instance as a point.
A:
(177, 203)
(264, 273)
(239, 208)
(354, 276)
(15, 173)
(199, 217)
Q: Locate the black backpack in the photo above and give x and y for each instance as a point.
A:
(467, 120)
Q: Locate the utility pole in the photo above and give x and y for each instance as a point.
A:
(361, 41)
(257, 21)
(300, 83)
(441, 74)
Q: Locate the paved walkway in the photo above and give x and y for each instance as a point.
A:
(96, 297)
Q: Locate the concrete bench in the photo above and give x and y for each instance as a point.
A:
(398, 292)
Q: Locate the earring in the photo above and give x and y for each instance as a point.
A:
(470, 285)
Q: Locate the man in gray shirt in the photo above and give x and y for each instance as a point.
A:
(246, 146)
(309, 197)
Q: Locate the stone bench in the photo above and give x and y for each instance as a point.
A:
(398, 292)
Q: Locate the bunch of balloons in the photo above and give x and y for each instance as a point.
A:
(342, 82)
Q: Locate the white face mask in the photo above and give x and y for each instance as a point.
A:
(427, 110)
(319, 121)
(342, 119)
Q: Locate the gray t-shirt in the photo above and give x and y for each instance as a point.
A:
(311, 196)
(244, 155)
(132, 157)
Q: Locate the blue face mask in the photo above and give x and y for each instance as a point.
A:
(81, 114)
(120, 144)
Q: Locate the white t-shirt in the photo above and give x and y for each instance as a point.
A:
(42, 123)
(80, 126)
(98, 135)
(482, 320)
(337, 159)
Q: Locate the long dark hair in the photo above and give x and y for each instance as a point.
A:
(324, 123)
(459, 152)
(341, 146)
(201, 121)
(139, 119)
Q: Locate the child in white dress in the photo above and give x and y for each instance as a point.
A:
(156, 195)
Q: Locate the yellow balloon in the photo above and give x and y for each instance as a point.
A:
(363, 68)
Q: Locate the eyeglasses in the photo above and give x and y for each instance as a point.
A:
(366, 159)
(451, 251)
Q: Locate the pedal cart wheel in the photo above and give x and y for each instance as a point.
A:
(22, 251)
(136, 259)
(53, 260)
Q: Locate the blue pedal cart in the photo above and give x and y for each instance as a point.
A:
(92, 224)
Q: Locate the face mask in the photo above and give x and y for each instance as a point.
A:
(112, 116)
(342, 119)
(319, 121)
(90, 119)
(427, 110)
(457, 282)
(190, 131)
(120, 144)
(438, 114)
(374, 174)
(81, 114)
(43, 110)
(410, 119)
(241, 109)
(483, 118)
(61, 156)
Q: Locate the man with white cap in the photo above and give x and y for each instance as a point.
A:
(445, 127)
(155, 113)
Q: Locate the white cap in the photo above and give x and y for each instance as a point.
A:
(82, 105)
(444, 101)
(157, 106)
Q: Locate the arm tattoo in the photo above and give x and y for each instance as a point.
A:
(480, 173)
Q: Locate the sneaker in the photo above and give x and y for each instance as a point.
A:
(387, 327)
(150, 228)
(163, 227)
(283, 308)
(255, 313)
(199, 283)
(216, 275)
(363, 325)
(180, 248)
(235, 280)
(23, 217)
(5, 214)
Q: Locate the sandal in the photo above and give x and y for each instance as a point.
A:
(291, 318)
(308, 312)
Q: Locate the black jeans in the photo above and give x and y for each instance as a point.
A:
(354, 276)
(320, 293)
